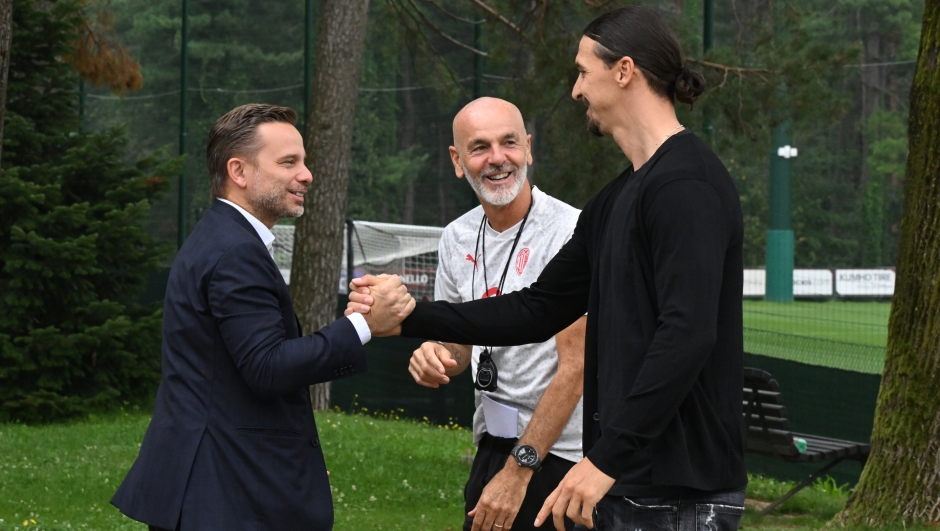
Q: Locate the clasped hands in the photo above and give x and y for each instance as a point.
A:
(383, 300)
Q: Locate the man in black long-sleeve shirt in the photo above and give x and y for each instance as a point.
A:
(656, 262)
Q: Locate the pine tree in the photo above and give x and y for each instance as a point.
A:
(73, 251)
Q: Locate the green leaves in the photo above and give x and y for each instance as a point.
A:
(74, 253)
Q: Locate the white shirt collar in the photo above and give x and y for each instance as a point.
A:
(267, 237)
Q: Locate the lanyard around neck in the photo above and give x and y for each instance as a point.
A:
(481, 234)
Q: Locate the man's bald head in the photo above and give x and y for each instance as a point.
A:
(485, 113)
(491, 149)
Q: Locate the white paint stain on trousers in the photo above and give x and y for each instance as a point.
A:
(710, 519)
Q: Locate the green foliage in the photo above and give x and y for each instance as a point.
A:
(887, 154)
(240, 52)
(793, 60)
(73, 251)
(383, 161)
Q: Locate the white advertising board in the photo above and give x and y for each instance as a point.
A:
(755, 282)
(865, 282)
(812, 283)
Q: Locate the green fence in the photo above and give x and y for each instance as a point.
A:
(848, 335)
(387, 387)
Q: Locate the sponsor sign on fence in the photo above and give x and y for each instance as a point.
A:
(755, 282)
(865, 282)
(806, 283)
(812, 283)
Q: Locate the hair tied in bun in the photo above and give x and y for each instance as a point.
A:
(689, 86)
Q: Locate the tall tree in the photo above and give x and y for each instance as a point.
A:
(6, 39)
(902, 478)
(318, 240)
(73, 252)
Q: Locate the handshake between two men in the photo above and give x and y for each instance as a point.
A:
(384, 302)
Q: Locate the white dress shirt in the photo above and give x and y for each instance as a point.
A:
(267, 238)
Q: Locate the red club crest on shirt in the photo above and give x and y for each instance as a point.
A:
(492, 292)
(521, 260)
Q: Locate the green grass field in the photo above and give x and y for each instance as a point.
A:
(385, 475)
(838, 334)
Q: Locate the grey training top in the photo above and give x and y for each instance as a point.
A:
(524, 371)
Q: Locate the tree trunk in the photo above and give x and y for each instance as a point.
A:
(318, 240)
(902, 478)
(6, 38)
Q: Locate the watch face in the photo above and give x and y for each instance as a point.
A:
(527, 456)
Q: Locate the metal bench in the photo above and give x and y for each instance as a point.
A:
(768, 433)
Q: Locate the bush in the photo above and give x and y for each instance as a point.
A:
(73, 251)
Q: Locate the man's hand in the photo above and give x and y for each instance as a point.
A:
(429, 364)
(501, 498)
(388, 303)
(360, 290)
(577, 494)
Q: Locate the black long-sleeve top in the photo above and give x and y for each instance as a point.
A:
(656, 262)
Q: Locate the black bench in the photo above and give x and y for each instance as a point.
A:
(768, 433)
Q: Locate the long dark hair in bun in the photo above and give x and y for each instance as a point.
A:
(641, 34)
(689, 86)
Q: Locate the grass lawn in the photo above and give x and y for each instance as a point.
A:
(838, 334)
(386, 474)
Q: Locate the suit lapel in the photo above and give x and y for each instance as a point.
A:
(228, 210)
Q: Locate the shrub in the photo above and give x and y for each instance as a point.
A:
(73, 251)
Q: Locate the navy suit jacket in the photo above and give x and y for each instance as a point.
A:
(233, 443)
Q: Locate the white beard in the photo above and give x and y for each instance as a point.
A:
(493, 197)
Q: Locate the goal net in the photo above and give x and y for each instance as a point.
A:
(409, 251)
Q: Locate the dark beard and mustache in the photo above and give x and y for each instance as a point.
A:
(271, 205)
(269, 202)
(593, 126)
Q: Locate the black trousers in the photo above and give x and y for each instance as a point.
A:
(491, 457)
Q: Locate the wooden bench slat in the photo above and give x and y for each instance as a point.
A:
(775, 423)
(766, 397)
(767, 410)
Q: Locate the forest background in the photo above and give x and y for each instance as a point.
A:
(839, 71)
(88, 188)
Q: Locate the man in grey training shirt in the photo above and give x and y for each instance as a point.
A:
(528, 398)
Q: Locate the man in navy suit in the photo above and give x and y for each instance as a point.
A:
(233, 444)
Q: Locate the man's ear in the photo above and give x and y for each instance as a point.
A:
(625, 68)
(455, 158)
(528, 149)
(238, 172)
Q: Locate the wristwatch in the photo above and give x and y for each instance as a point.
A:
(527, 456)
